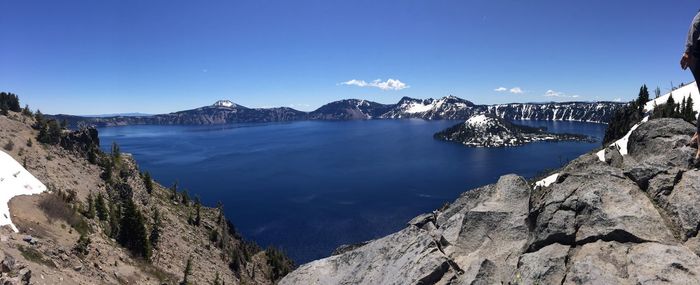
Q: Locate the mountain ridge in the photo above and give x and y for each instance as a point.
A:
(445, 108)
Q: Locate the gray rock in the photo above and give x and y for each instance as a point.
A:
(8, 264)
(592, 201)
(25, 275)
(646, 263)
(545, 266)
(613, 157)
(409, 256)
(683, 204)
(493, 234)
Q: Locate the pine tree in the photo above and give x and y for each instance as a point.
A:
(26, 111)
(155, 230)
(90, 210)
(132, 231)
(173, 191)
(4, 108)
(689, 114)
(185, 197)
(187, 272)
(100, 207)
(115, 216)
(148, 182)
(642, 99)
(198, 217)
(116, 153)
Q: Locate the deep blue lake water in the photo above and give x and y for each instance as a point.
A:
(311, 186)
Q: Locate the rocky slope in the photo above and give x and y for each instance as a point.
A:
(446, 108)
(47, 249)
(492, 131)
(633, 219)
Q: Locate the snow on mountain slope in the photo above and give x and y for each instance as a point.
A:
(678, 95)
(448, 107)
(224, 103)
(14, 181)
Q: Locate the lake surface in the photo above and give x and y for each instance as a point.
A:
(311, 186)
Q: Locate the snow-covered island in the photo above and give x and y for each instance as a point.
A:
(492, 131)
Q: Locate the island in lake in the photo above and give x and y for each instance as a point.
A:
(491, 131)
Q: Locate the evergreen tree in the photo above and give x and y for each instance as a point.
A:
(198, 207)
(64, 124)
(90, 210)
(147, 182)
(116, 153)
(40, 120)
(155, 230)
(187, 272)
(4, 108)
(101, 208)
(689, 113)
(185, 197)
(26, 111)
(173, 191)
(115, 216)
(642, 99)
(132, 231)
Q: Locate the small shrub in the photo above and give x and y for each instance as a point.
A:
(30, 143)
(81, 247)
(35, 256)
(56, 208)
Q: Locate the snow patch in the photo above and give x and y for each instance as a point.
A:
(419, 108)
(477, 120)
(14, 181)
(224, 103)
(547, 181)
(678, 95)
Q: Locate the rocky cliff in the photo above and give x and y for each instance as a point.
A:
(633, 219)
(446, 108)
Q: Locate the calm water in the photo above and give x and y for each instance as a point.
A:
(311, 186)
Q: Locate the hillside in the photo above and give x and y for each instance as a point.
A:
(630, 220)
(492, 131)
(445, 108)
(95, 222)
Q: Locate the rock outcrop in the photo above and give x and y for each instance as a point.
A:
(631, 220)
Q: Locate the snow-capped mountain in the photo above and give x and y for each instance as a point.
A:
(224, 103)
(491, 131)
(446, 108)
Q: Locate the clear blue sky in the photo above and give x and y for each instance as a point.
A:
(93, 57)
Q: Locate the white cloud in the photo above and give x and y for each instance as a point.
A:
(516, 90)
(552, 93)
(617, 99)
(390, 84)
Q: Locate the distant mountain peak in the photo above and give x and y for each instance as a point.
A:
(224, 103)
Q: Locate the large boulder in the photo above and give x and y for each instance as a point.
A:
(630, 263)
(409, 256)
(657, 146)
(492, 234)
(593, 201)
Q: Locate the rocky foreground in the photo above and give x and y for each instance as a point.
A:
(633, 219)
